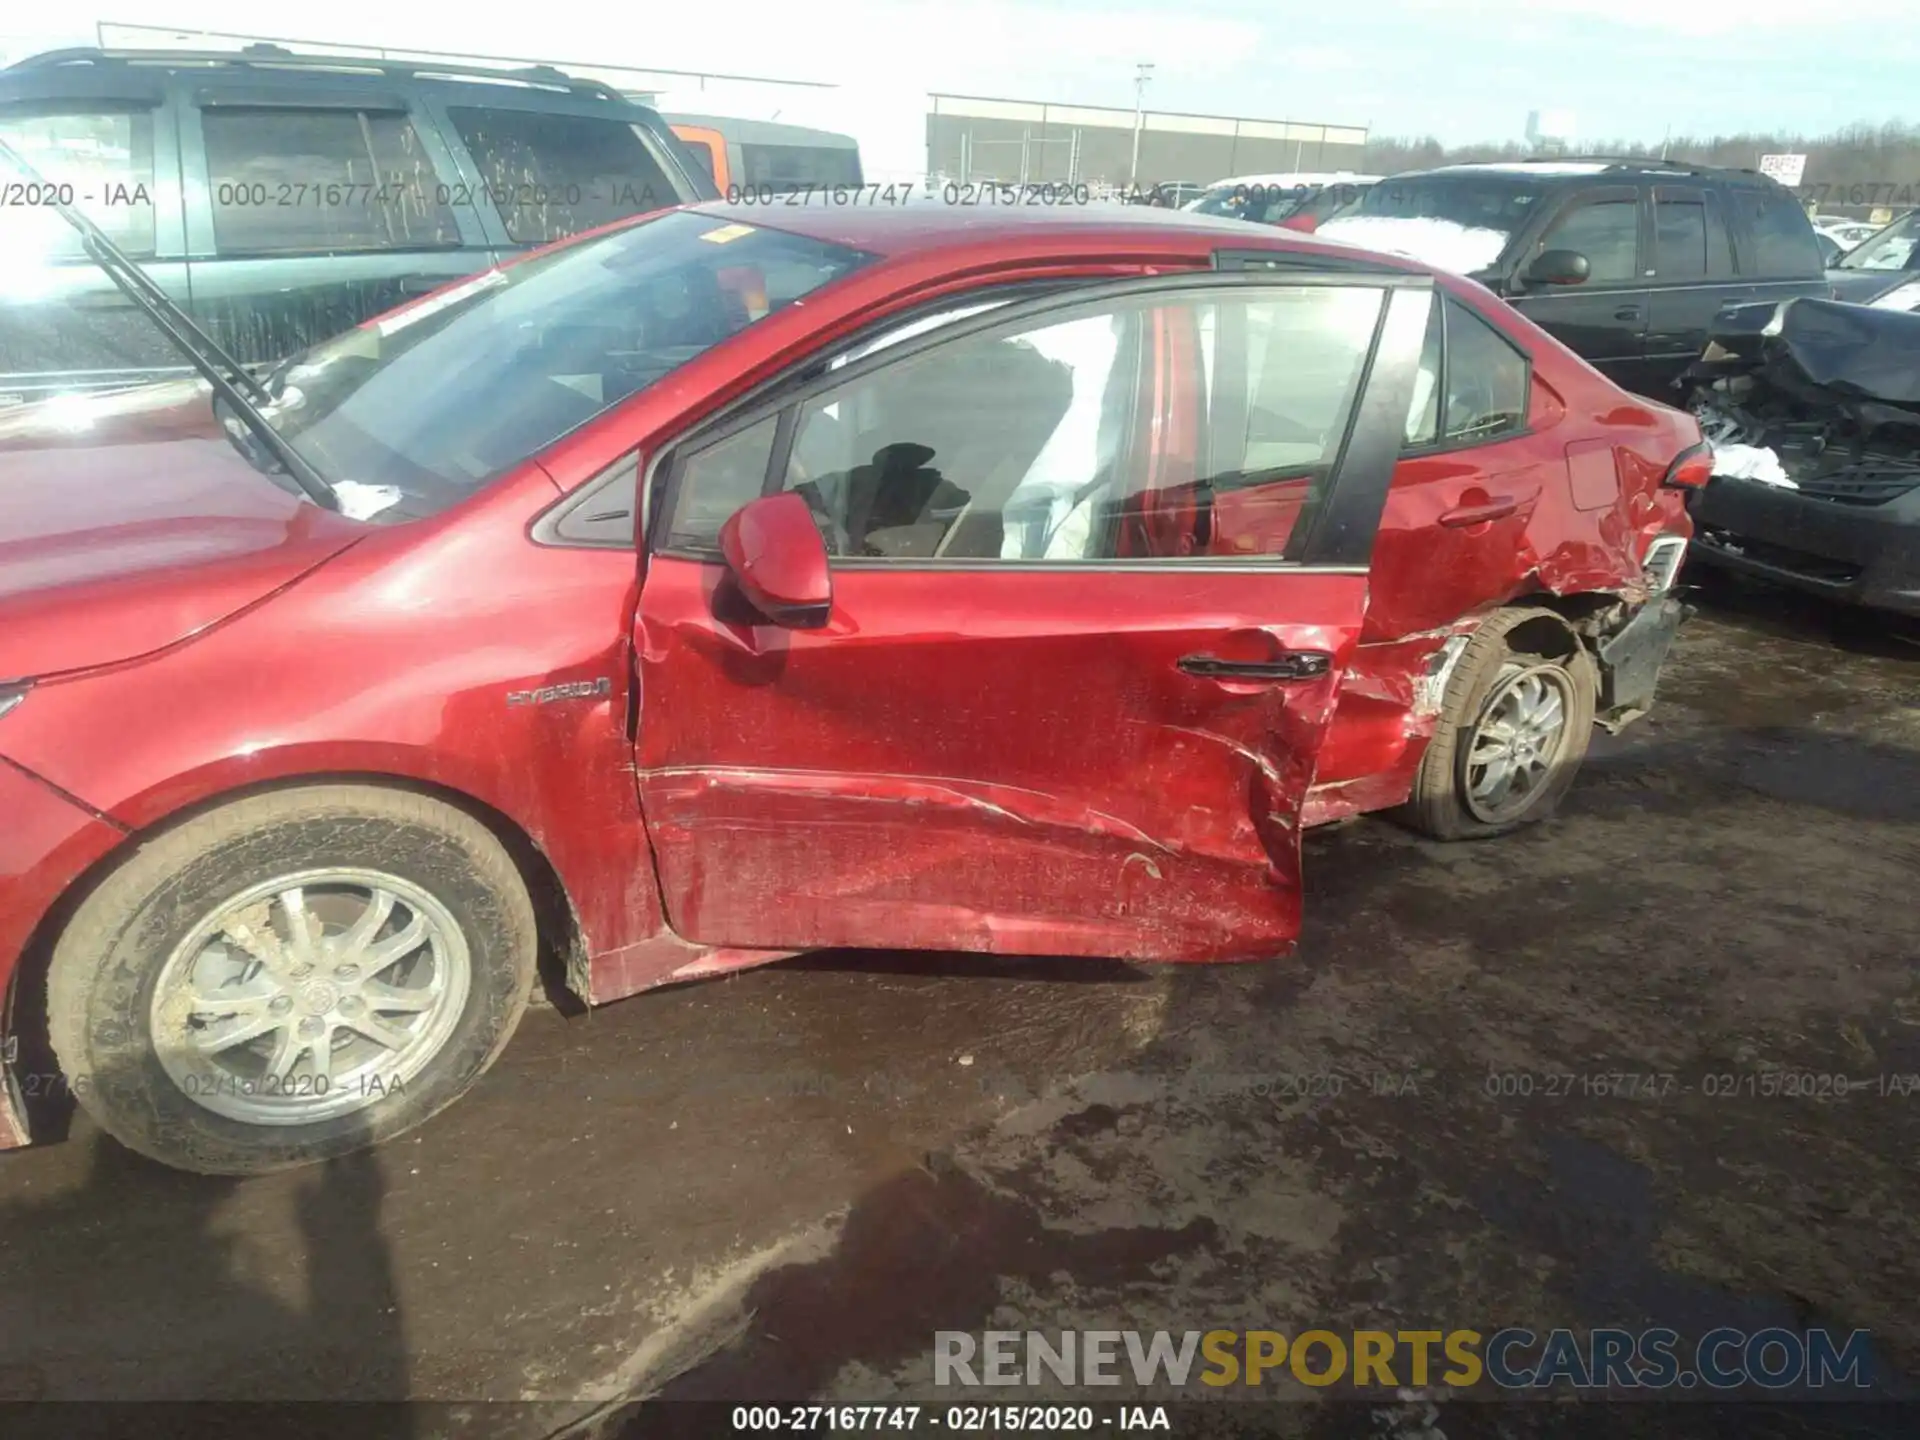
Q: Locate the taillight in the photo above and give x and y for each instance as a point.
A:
(1691, 468)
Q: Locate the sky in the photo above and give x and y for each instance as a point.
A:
(1462, 70)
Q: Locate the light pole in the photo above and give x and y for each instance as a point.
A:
(1143, 72)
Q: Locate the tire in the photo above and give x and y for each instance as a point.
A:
(1495, 666)
(151, 976)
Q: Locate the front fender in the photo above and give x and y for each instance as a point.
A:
(472, 662)
(47, 841)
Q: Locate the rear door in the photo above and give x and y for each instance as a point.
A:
(1057, 707)
(1604, 320)
(1693, 276)
(312, 208)
(104, 143)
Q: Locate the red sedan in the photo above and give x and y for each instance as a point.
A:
(746, 580)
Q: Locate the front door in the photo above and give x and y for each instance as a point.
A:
(1060, 704)
(1604, 319)
(106, 146)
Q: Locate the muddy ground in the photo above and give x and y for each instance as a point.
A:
(779, 1185)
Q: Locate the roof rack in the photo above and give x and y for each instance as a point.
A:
(1621, 162)
(1655, 162)
(277, 57)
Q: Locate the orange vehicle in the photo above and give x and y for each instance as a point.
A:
(762, 158)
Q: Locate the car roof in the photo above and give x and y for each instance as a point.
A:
(1589, 167)
(927, 226)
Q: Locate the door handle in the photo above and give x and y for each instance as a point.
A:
(1294, 665)
(423, 284)
(1627, 312)
(1497, 508)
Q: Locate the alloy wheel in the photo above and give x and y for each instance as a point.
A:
(1518, 741)
(310, 996)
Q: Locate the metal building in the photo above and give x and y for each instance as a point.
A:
(972, 137)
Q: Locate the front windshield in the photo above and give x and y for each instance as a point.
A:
(1892, 249)
(420, 408)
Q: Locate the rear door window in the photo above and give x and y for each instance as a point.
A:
(554, 175)
(1679, 236)
(290, 181)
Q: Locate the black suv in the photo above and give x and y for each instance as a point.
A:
(1625, 261)
(281, 198)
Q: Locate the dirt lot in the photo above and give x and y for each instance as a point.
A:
(781, 1184)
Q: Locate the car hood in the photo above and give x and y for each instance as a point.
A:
(1863, 287)
(128, 523)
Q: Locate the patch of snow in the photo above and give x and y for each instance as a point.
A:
(1751, 462)
(360, 501)
(1441, 243)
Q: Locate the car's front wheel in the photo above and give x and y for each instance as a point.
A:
(290, 977)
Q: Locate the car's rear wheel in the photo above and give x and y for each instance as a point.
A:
(291, 977)
(1514, 727)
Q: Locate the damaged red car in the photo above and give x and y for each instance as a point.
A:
(736, 582)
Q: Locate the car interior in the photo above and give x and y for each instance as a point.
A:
(1023, 447)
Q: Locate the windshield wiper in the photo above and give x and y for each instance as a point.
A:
(230, 380)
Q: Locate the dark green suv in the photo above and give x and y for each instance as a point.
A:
(282, 198)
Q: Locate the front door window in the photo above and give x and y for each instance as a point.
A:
(1102, 437)
(1607, 232)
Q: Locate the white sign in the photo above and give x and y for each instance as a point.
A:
(1787, 169)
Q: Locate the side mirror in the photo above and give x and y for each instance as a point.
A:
(779, 560)
(1559, 267)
